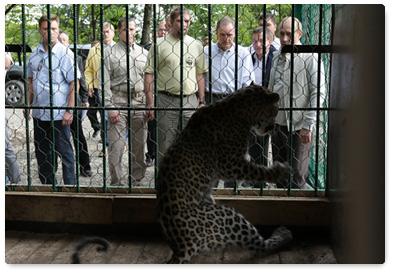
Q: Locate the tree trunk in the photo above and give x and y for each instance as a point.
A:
(145, 37)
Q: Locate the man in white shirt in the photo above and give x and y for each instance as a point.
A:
(304, 95)
(223, 64)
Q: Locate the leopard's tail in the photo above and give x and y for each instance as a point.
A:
(103, 246)
(280, 238)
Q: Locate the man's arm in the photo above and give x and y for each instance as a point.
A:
(248, 74)
(68, 115)
(201, 88)
(149, 94)
(90, 70)
(310, 117)
(30, 91)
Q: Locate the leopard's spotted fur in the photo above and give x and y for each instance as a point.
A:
(211, 147)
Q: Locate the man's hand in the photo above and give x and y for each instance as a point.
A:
(67, 119)
(150, 114)
(305, 135)
(90, 92)
(27, 113)
(114, 116)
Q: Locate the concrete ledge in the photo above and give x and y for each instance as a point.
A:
(85, 208)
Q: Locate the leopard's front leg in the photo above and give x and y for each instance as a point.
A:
(277, 173)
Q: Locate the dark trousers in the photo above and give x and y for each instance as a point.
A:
(43, 140)
(258, 147)
(80, 144)
(151, 136)
(94, 101)
(214, 97)
(300, 155)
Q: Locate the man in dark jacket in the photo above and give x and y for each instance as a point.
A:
(262, 56)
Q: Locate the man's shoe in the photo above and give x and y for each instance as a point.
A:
(95, 133)
(86, 173)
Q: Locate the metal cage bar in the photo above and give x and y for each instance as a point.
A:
(102, 108)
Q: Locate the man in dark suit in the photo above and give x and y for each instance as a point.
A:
(262, 55)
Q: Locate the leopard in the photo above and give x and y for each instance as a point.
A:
(213, 146)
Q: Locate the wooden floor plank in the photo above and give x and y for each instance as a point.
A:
(125, 251)
(215, 257)
(156, 251)
(237, 255)
(24, 248)
(41, 248)
(13, 238)
(63, 256)
(46, 252)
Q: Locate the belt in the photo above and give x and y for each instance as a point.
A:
(217, 95)
(174, 95)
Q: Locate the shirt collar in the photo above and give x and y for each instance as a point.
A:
(287, 56)
(124, 44)
(230, 50)
(55, 48)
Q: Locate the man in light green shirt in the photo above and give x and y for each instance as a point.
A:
(170, 91)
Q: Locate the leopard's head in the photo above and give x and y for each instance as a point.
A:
(262, 107)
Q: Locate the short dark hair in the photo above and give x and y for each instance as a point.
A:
(176, 12)
(268, 33)
(123, 20)
(44, 18)
(269, 17)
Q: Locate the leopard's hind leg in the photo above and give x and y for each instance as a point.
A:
(236, 230)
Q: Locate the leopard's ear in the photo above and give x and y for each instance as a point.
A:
(274, 97)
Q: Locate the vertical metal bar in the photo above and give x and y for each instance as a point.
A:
(26, 112)
(53, 154)
(181, 65)
(291, 99)
(317, 131)
(155, 22)
(210, 54)
(93, 16)
(263, 141)
(329, 94)
(264, 44)
(236, 58)
(130, 167)
(76, 94)
(103, 110)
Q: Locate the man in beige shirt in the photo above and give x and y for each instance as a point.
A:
(116, 94)
(170, 92)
